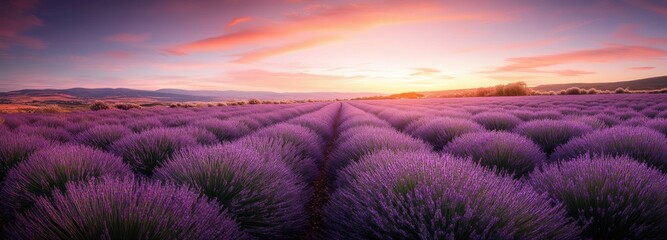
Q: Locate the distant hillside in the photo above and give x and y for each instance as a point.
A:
(640, 84)
(265, 95)
(106, 93)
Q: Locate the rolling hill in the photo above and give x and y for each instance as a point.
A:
(639, 84)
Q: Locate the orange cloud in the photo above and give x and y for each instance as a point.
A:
(641, 68)
(238, 20)
(425, 72)
(269, 52)
(16, 17)
(127, 38)
(606, 54)
(327, 19)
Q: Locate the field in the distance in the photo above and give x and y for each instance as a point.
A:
(534, 167)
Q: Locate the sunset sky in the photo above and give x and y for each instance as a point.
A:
(383, 46)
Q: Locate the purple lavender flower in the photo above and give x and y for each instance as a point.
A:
(417, 195)
(549, 134)
(640, 143)
(265, 198)
(497, 120)
(50, 169)
(149, 149)
(307, 142)
(504, 151)
(124, 209)
(278, 149)
(15, 148)
(102, 136)
(441, 130)
(610, 197)
(367, 140)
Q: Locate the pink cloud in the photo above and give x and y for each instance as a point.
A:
(16, 17)
(650, 6)
(238, 20)
(269, 52)
(513, 46)
(340, 20)
(605, 54)
(574, 25)
(127, 38)
(117, 54)
(641, 68)
(570, 73)
(337, 18)
(630, 33)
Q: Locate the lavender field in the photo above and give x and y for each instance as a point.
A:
(536, 167)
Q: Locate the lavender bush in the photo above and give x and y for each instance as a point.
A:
(50, 169)
(367, 140)
(416, 195)
(610, 197)
(640, 143)
(277, 149)
(124, 209)
(265, 198)
(549, 134)
(15, 148)
(102, 136)
(440, 131)
(497, 120)
(504, 151)
(149, 149)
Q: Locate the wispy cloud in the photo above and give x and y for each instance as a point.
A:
(425, 72)
(127, 38)
(328, 19)
(641, 68)
(656, 7)
(598, 55)
(238, 20)
(630, 33)
(254, 56)
(16, 18)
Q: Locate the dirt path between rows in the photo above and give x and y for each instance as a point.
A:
(320, 196)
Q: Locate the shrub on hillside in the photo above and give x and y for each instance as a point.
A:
(126, 106)
(99, 105)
